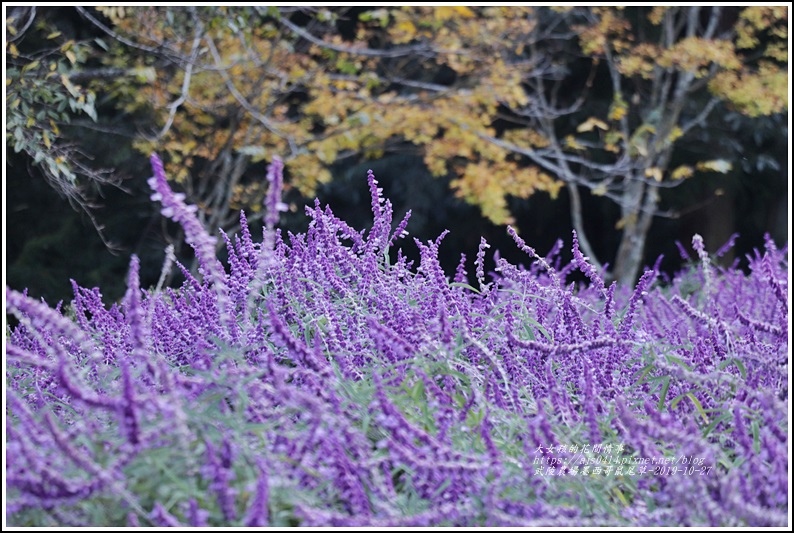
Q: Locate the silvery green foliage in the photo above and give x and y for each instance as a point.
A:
(313, 382)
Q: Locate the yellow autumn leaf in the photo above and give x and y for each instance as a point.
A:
(599, 190)
(571, 142)
(46, 136)
(406, 27)
(656, 15)
(715, 165)
(624, 221)
(73, 90)
(676, 134)
(591, 123)
(654, 172)
(447, 12)
(618, 109)
(682, 172)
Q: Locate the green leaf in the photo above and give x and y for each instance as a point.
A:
(464, 285)
(695, 402)
(725, 417)
(663, 394)
(680, 362)
(735, 361)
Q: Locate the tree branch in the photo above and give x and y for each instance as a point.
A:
(244, 102)
(174, 106)
(394, 52)
(21, 32)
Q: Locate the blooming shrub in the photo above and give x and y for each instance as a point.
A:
(317, 383)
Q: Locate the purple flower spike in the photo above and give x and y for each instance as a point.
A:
(376, 193)
(273, 203)
(258, 514)
(175, 208)
(479, 262)
(162, 518)
(586, 268)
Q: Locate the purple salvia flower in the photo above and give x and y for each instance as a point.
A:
(258, 514)
(494, 362)
(429, 265)
(132, 306)
(640, 292)
(740, 432)
(175, 208)
(297, 351)
(376, 193)
(401, 232)
(769, 243)
(479, 262)
(531, 253)
(218, 471)
(697, 244)
(691, 312)
(273, 203)
(460, 270)
(778, 287)
(658, 264)
(382, 212)
(572, 317)
(727, 246)
(85, 302)
(590, 400)
(191, 280)
(609, 304)
(682, 251)
(447, 333)
(247, 249)
(40, 317)
(162, 518)
(135, 315)
(485, 433)
(196, 515)
(586, 268)
(348, 479)
(129, 412)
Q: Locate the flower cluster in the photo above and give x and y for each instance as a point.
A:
(315, 382)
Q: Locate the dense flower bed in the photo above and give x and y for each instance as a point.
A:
(317, 383)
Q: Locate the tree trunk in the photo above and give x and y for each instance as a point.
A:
(640, 204)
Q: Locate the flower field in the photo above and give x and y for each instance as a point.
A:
(311, 381)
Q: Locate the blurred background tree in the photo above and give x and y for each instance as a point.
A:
(615, 114)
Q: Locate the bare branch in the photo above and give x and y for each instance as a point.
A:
(701, 117)
(714, 20)
(120, 38)
(174, 106)
(266, 122)
(21, 32)
(401, 51)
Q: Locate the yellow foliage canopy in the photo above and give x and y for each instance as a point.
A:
(468, 87)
